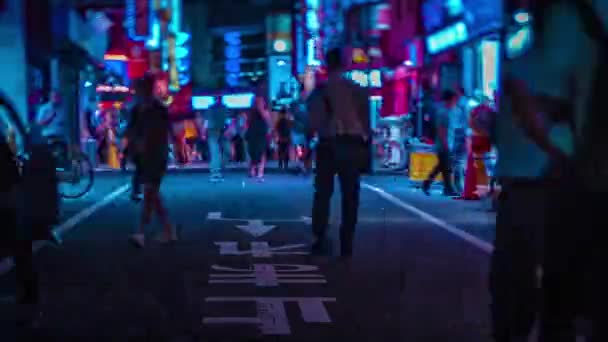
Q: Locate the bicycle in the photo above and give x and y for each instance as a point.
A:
(73, 168)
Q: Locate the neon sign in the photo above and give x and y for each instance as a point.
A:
(112, 89)
(138, 19)
(202, 102)
(447, 38)
(232, 52)
(234, 101)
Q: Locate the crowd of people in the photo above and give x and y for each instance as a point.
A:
(552, 165)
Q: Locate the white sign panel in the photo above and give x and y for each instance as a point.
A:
(271, 315)
(259, 249)
(267, 275)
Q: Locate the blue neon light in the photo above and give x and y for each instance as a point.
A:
(312, 21)
(522, 17)
(311, 53)
(519, 42)
(131, 19)
(202, 102)
(234, 101)
(447, 38)
(314, 4)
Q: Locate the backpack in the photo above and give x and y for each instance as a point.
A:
(591, 156)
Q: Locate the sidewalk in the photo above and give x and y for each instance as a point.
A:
(472, 217)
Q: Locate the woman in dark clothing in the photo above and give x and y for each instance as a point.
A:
(283, 131)
(149, 138)
(257, 137)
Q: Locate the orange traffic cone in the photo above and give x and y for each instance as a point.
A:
(470, 180)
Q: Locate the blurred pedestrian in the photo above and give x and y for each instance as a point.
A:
(259, 123)
(151, 141)
(550, 113)
(445, 113)
(216, 117)
(340, 115)
(283, 134)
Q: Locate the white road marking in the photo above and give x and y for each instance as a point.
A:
(271, 314)
(217, 216)
(267, 275)
(214, 216)
(256, 228)
(7, 265)
(469, 238)
(259, 249)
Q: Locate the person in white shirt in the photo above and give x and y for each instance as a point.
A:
(546, 95)
(339, 114)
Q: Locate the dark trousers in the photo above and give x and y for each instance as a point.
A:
(444, 166)
(574, 283)
(283, 154)
(515, 297)
(27, 278)
(136, 179)
(20, 249)
(340, 156)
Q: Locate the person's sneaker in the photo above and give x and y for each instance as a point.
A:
(426, 187)
(138, 240)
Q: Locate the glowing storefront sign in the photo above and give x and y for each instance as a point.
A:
(234, 101)
(490, 56)
(202, 102)
(112, 89)
(447, 38)
(361, 78)
(311, 57)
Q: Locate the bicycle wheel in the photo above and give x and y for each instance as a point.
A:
(81, 180)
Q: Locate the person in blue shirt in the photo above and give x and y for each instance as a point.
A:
(545, 104)
(444, 143)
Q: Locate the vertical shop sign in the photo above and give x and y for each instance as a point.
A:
(232, 52)
(138, 19)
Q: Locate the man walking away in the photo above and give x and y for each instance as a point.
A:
(444, 143)
(339, 113)
(216, 119)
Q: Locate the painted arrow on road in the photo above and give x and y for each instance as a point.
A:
(256, 228)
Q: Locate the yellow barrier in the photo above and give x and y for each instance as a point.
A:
(421, 165)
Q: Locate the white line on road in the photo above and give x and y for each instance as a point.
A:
(473, 240)
(7, 264)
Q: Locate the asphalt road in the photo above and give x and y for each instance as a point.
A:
(410, 280)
